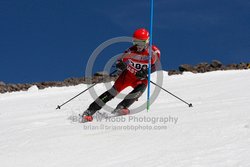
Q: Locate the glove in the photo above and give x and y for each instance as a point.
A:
(142, 74)
(120, 65)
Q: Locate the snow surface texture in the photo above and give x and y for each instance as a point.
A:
(215, 132)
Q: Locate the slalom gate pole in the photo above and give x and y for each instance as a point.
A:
(189, 104)
(59, 106)
(150, 50)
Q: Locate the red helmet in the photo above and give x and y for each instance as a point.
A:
(141, 34)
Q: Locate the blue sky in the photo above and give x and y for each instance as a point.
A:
(47, 40)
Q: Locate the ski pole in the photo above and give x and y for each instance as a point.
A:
(59, 106)
(189, 104)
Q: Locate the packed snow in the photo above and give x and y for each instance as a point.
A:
(213, 133)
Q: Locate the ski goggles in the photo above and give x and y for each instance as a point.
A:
(140, 42)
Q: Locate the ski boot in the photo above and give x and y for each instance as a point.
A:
(120, 110)
(86, 116)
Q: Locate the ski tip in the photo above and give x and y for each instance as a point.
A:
(58, 107)
(190, 105)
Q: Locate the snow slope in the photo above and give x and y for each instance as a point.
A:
(215, 132)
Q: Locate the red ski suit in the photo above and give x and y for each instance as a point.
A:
(135, 61)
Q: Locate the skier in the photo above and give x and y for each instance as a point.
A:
(132, 68)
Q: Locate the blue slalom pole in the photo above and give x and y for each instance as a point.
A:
(150, 50)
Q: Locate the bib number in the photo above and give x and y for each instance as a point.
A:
(138, 66)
